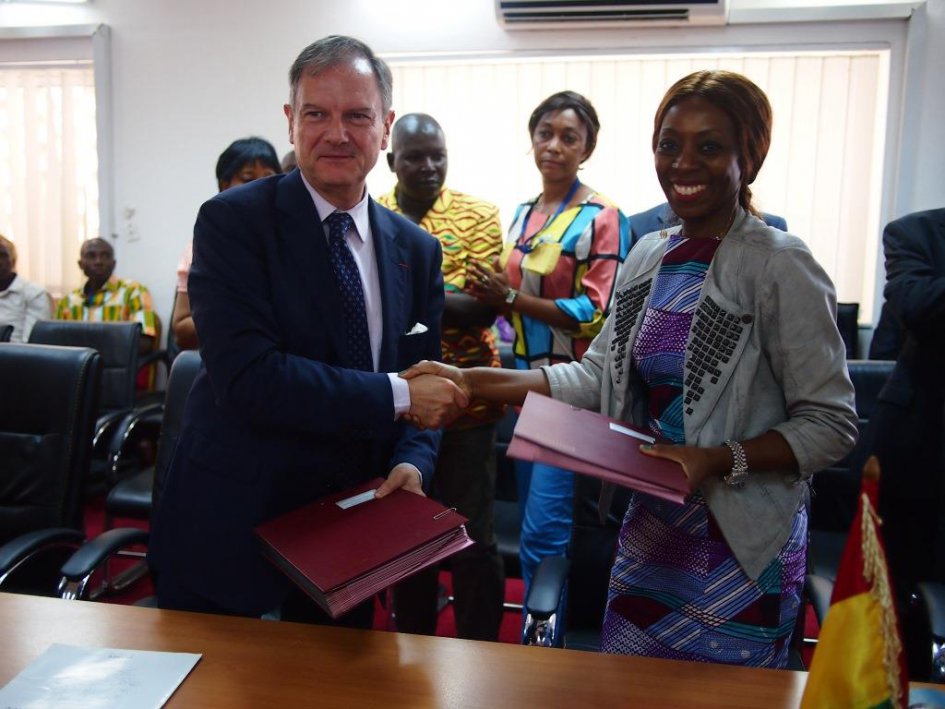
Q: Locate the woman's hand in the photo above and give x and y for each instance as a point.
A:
(697, 463)
(438, 369)
(487, 285)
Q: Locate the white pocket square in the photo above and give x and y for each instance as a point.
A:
(418, 329)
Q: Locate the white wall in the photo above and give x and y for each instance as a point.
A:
(188, 77)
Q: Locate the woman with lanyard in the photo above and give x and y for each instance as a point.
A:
(556, 286)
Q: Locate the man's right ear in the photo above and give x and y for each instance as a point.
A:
(290, 116)
(390, 161)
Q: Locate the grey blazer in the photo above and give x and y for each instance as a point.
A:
(763, 354)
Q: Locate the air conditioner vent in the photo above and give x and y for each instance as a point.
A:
(548, 14)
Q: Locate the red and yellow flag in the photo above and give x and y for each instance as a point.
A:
(859, 661)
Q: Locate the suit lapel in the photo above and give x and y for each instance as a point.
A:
(664, 217)
(393, 269)
(300, 228)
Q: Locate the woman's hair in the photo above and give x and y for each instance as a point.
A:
(744, 103)
(11, 248)
(562, 101)
(246, 151)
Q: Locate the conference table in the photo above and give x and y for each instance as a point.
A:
(261, 663)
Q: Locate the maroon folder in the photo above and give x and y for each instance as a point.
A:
(556, 433)
(344, 548)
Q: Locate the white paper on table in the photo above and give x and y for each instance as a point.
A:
(67, 676)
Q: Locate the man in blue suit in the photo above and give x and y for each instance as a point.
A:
(661, 217)
(906, 430)
(308, 298)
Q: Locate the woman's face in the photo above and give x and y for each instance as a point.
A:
(560, 145)
(247, 173)
(697, 165)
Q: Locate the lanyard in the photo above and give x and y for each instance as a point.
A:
(527, 247)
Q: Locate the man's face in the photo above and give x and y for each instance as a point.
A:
(420, 162)
(338, 128)
(97, 260)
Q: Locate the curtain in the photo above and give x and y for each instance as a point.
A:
(823, 171)
(48, 169)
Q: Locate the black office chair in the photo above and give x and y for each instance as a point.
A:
(585, 572)
(6, 332)
(507, 511)
(931, 600)
(119, 418)
(47, 415)
(835, 491)
(848, 317)
(134, 497)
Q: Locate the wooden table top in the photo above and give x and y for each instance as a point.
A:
(258, 663)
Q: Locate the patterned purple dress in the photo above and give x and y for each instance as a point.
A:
(676, 590)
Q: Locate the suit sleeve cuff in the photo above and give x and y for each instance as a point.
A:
(417, 470)
(401, 392)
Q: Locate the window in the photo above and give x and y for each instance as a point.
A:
(48, 167)
(822, 174)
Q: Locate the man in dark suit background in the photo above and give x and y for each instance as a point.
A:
(308, 298)
(661, 216)
(906, 430)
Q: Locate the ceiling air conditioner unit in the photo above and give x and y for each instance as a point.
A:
(560, 14)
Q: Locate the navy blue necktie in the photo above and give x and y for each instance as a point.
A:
(348, 280)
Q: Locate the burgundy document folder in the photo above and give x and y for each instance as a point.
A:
(344, 548)
(556, 433)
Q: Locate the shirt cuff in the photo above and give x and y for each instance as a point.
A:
(419, 474)
(401, 391)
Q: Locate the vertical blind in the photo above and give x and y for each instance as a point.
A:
(48, 169)
(823, 171)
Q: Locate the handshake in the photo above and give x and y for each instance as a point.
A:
(438, 394)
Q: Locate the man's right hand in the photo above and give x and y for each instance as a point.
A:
(435, 400)
(438, 369)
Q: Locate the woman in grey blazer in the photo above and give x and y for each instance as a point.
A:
(722, 339)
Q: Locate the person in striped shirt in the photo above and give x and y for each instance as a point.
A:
(468, 229)
(107, 298)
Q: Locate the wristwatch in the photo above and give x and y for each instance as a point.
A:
(739, 472)
(511, 296)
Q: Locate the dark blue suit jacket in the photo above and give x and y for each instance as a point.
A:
(661, 216)
(914, 246)
(276, 418)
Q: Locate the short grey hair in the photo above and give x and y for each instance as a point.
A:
(336, 49)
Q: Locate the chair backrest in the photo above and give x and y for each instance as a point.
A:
(179, 382)
(848, 316)
(47, 414)
(591, 551)
(837, 488)
(116, 342)
(172, 347)
(6, 332)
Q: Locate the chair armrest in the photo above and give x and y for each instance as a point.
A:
(542, 626)
(547, 585)
(20, 549)
(933, 594)
(95, 551)
(104, 424)
(159, 356)
(117, 438)
(819, 590)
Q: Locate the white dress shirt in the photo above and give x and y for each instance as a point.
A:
(361, 243)
(22, 304)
